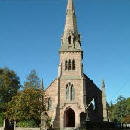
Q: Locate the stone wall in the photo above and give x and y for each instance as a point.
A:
(20, 128)
(1, 128)
(52, 93)
(104, 129)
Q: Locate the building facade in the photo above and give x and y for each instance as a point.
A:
(72, 97)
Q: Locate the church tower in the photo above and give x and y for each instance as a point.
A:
(70, 72)
(70, 52)
(71, 94)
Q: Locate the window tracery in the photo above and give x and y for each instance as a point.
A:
(66, 65)
(49, 103)
(70, 65)
(70, 92)
(67, 92)
(73, 65)
(69, 39)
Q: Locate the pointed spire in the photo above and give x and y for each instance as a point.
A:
(103, 83)
(70, 5)
(42, 85)
(70, 38)
(103, 88)
(105, 118)
(71, 24)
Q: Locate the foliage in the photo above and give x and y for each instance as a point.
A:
(1, 119)
(48, 122)
(9, 85)
(32, 80)
(120, 111)
(27, 123)
(27, 105)
(127, 119)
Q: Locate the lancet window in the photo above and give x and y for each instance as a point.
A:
(73, 64)
(69, 39)
(49, 103)
(66, 65)
(70, 92)
(70, 64)
(67, 92)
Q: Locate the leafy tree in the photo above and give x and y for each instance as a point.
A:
(120, 110)
(128, 105)
(9, 85)
(110, 108)
(26, 106)
(32, 80)
(127, 118)
(1, 119)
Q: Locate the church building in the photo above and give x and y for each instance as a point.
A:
(73, 97)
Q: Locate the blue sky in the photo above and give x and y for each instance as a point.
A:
(30, 33)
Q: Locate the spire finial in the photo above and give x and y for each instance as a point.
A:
(71, 38)
(71, 24)
(103, 83)
(70, 5)
(42, 85)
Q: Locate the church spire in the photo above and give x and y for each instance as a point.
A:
(70, 38)
(105, 118)
(71, 24)
(42, 85)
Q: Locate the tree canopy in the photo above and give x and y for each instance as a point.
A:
(120, 111)
(26, 105)
(9, 85)
(32, 80)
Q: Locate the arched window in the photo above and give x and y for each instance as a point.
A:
(66, 65)
(70, 92)
(72, 95)
(67, 92)
(73, 65)
(49, 103)
(69, 65)
(69, 39)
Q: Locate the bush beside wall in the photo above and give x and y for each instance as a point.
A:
(19, 128)
(1, 120)
(27, 124)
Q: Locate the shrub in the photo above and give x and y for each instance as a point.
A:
(1, 119)
(27, 124)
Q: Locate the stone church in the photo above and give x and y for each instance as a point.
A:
(73, 97)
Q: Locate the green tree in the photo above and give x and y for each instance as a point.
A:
(1, 119)
(26, 106)
(32, 80)
(9, 85)
(127, 118)
(128, 105)
(120, 110)
(110, 108)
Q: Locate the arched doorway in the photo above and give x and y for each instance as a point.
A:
(69, 118)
